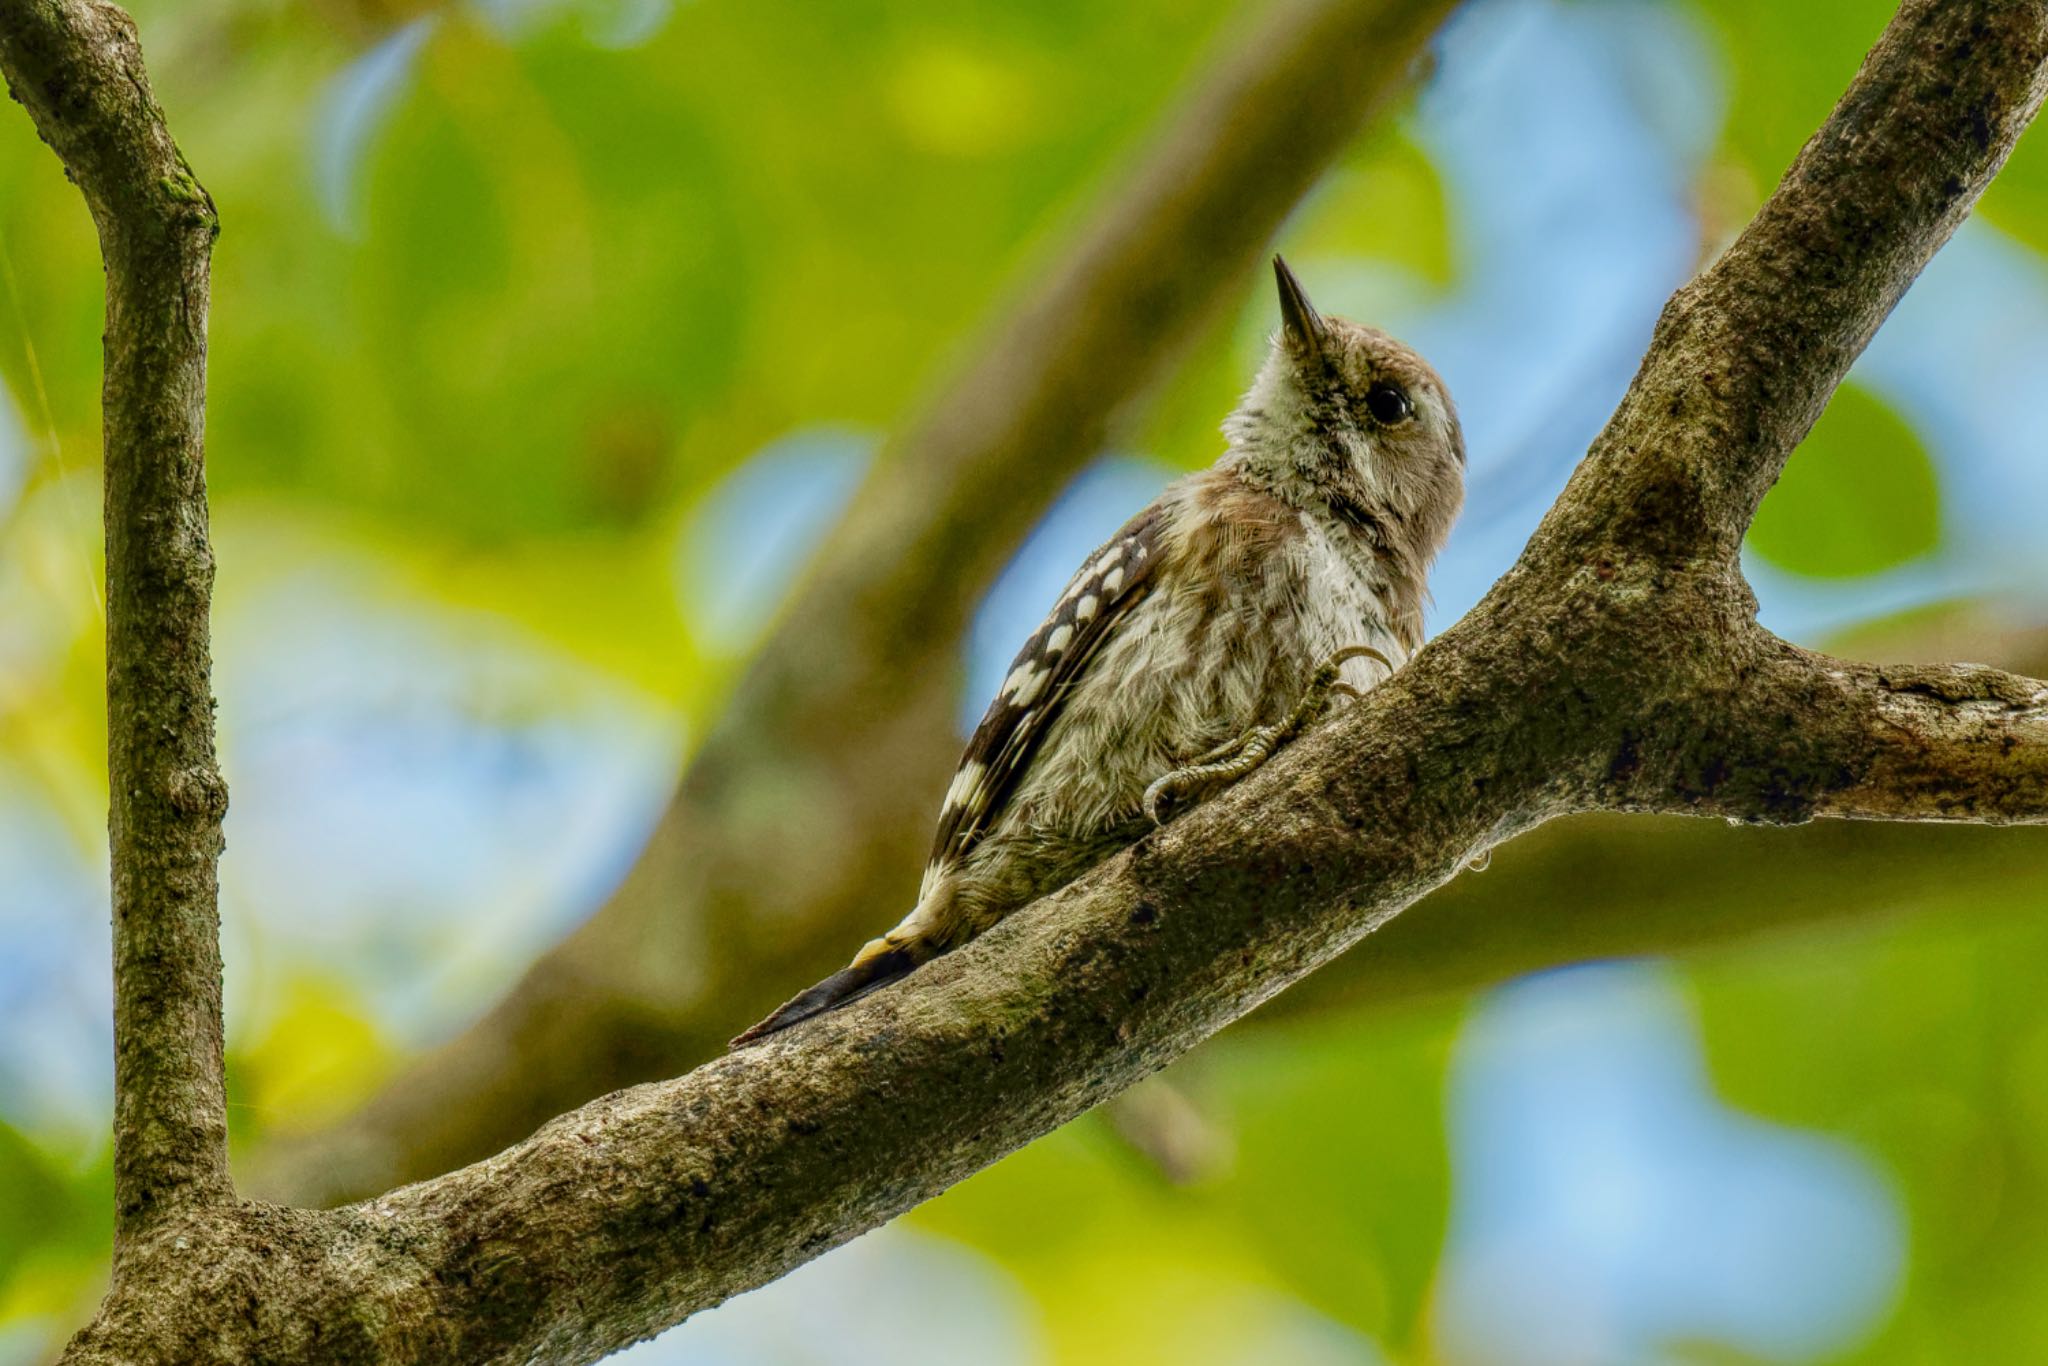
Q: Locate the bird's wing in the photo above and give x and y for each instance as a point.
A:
(1114, 580)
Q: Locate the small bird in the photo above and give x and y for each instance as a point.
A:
(1200, 638)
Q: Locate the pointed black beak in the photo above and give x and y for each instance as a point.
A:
(1305, 327)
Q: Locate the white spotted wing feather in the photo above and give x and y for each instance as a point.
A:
(1044, 673)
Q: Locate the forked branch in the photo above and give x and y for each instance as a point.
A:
(1582, 681)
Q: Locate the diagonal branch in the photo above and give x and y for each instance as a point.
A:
(629, 1214)
(76, 66)
(842, 728)
(1580, 682)
(1746, 355)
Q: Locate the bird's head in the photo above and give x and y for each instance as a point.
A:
(1345, 417)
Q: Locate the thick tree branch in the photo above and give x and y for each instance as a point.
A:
(1580, 681)
(1786, 735)
(76, 66)
(1611, 885)
(620, 1218)
(842, 729)
(1955, 742)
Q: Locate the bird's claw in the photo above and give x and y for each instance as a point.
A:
(1168, 792)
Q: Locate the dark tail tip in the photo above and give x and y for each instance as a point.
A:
(842, 987)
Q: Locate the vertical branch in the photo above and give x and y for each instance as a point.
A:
(77, 67)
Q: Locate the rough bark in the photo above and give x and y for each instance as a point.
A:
(843, 727)
(1609, 887)
(77, 68)
(1615, 886)
(1618, 666)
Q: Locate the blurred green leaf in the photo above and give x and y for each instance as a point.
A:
(1788, 64)
(35, 1201)
(1859, 496)
(1343, 1178)
(1383, 202)
(56, 1224)
(318, 1055)
(1336, 1198)
(1925, 1043)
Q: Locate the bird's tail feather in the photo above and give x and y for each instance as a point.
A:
(869, 972)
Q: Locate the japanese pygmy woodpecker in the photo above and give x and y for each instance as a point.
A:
(1200, 637)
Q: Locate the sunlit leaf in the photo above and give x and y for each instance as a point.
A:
(317, 1058)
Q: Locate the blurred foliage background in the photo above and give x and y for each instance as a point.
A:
(550, 335)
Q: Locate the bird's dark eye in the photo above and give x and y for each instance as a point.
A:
(1388, 403)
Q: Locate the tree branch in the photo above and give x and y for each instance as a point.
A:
(1619, 886)
(1623, 625)
(76, 66)
(842, 728)
(1746, 355)
(1579, 682)
(1956, 742)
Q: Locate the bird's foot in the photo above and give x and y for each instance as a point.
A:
(1171, 793)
